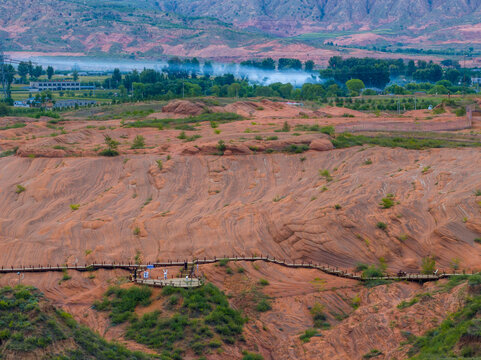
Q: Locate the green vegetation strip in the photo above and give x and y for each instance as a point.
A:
(197, 319)
(345, 140)
(159, 123)
(28, 326)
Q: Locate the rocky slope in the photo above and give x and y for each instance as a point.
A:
(74, 206)
(229, 30)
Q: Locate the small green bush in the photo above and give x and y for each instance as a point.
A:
(387, 202)
(428, 265)
(325, 174)
(221, 147)
(139, 142)
(296, 149)
(460, 112)
(263, 282)
(74, 207)
(251, 356)
(263, 305)
(381, 225)
(308, 334)
(20, 189)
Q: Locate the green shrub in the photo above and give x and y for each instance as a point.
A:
(286, 127)
(159, 164)
(477, 240)
(221, 147)
(381, 225)
(74, 207)
(308, 334)
(296, 149)
(20, 189)
(263, 282)
(371, 354)
(372, 271)
(428, 265)
(325, 174)
(387, 202)
(319, 318)
(139, 142)
(122, 302)
(223, 262)
(263, 305)
(65, 275)
(461, 112)
(251, 356)
(474, 280)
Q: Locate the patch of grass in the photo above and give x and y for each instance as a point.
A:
(308, 334)
(263, 282)
(137, 231)
(319, 317)
(65, 275)
(381, 225)
(325, 174)
(215, 117)
(387, 202)
(74, 207)
(337, 207)
(347, 140)
(477, 240)
(223, 262)
(17, 125)
(263, 305)
(296, 149)
(405, 304)
(20, 189)
(159, 164)
(122, 302)
(202, 315)
(193, 137)
(251, 356)
(372, 354)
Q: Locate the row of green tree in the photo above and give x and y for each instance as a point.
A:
(282, 64)
(33, 71)
(378, 72)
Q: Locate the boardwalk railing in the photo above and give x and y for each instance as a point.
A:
(186, 263)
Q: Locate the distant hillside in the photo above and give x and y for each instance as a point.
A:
(233, 30)
(292, 16)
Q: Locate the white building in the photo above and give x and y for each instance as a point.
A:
(62, 85)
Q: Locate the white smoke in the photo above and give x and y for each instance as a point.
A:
(255, 75)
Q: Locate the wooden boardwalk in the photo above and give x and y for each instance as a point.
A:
(175, 282)
(191, 263)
